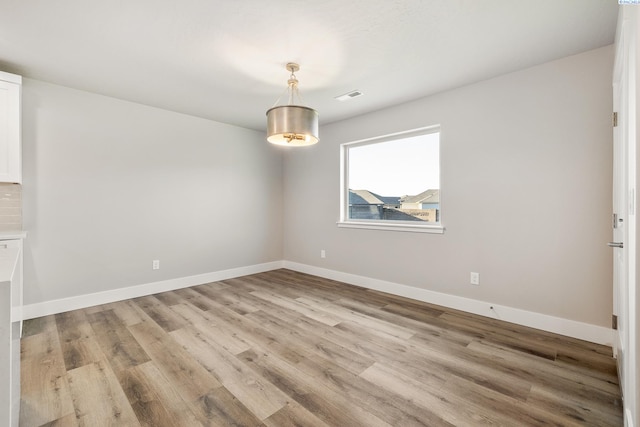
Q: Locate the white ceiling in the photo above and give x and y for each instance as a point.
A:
(224, 59)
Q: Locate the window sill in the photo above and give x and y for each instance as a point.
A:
(404, 227)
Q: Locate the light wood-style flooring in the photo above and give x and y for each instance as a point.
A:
(288, 349)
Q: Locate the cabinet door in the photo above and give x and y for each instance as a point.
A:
(16, 283)
(10, 146)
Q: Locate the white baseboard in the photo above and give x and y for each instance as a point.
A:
(570, 328)
(83, 301)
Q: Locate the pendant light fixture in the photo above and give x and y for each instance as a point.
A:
(292, 125)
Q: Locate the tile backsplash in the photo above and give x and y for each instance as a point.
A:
(10, 207)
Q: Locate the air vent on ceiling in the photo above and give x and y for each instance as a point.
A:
(350, 95)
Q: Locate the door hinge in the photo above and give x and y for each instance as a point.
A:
(614, 322)
(615, 118)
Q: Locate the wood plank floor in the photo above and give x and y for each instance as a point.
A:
(288, 349)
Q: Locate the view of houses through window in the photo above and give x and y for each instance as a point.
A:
(395, 178)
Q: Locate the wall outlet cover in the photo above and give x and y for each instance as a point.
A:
(475, 278)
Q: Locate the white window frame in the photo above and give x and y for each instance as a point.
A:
(406, 226)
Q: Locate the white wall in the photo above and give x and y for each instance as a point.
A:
(111, 185)
(526, 193)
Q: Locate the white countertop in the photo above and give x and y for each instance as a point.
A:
(13, 234)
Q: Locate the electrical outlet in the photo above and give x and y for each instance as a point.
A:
(323, 254)
(156, 264)
(475, 278)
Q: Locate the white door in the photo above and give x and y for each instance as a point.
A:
(620, 221)
(624, 211)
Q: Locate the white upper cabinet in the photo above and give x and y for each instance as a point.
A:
(10, 138)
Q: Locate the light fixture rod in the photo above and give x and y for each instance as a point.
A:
(293, 82)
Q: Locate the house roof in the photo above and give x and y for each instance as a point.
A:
(363, 197)
(388, 200)
(366, 197)
(428, 196)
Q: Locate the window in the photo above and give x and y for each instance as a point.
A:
(393, 182)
